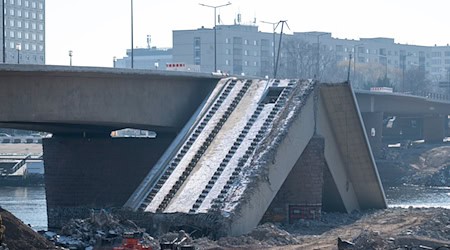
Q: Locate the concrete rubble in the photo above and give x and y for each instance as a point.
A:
(101, 228)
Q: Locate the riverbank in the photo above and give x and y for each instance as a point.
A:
(415, 164)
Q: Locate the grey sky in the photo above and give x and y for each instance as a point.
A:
(97, 30)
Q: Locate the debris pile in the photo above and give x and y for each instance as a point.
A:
(17, 235)
(100, 229)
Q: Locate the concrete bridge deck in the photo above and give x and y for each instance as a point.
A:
(64, 100)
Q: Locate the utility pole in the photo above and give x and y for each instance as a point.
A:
(132, 45)
(279, 46)
(274, 26)
(318, 55)
(215, 30)
(349, 64)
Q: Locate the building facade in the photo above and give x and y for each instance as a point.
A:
(23, 29)
(244, 50)
(146, 58)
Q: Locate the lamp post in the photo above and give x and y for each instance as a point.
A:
(274, 26)
(70, 56)
(18, 48)
(114, 61)
(132, 45)
(403, 63)
(3, 31)
(318, 54)
(356, 51)
(215, 30)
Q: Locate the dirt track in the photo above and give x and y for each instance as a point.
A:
(386, 229)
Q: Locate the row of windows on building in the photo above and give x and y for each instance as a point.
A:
(440, 61)
(26, 35)
(26, 58)
(239, 62)
(26, 3)
(439, 54)
(26, 14)
(26, 24)
(27, 46)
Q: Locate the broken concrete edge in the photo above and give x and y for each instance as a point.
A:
(148, 183)
(368, 147)
(258, 169)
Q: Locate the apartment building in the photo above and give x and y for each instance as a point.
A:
(23, 29)
(243, 49)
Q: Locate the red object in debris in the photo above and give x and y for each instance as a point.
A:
(131, 244)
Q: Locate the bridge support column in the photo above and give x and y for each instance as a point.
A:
(86, 173)
(434, 129)
(300, 196)
(373, 123)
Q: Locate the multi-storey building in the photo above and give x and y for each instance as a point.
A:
(243, 49)
(146, 58)
(23, 29)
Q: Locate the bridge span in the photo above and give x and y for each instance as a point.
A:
(403, 116)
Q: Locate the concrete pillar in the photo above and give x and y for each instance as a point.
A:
(85, 173)
(434, 129)
(373, 123)
(300, 196)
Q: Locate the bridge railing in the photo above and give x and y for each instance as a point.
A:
(434, 96)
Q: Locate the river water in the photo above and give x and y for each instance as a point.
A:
(28, 203)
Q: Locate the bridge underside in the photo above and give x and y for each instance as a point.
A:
(96, 101)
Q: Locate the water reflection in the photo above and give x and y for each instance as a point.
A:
(29, 205)
(26, 203)
(416, 196)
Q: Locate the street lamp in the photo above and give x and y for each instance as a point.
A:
(356, 51)
(114, 61)
(403, 64)
(18, 48)
(318, 53)
(132, 45)
(274, 26)
(215, 30)
(70, 56)
(3, 32)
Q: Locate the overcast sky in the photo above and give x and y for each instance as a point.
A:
(98, 30)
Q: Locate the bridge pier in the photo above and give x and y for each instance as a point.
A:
(373, 123)
(300, 196)
(86, 173)
(434, 128)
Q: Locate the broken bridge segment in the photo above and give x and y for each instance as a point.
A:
(225, 171)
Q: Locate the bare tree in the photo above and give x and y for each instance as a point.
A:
(416, 81)
(301, 59)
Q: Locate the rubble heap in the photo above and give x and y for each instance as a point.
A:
(17, 235)
(100, 229)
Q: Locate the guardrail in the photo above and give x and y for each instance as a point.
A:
(20, 164)
(20, 139)
(434, 96)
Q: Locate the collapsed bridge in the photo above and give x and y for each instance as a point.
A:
(263, 150)
(250, 150)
